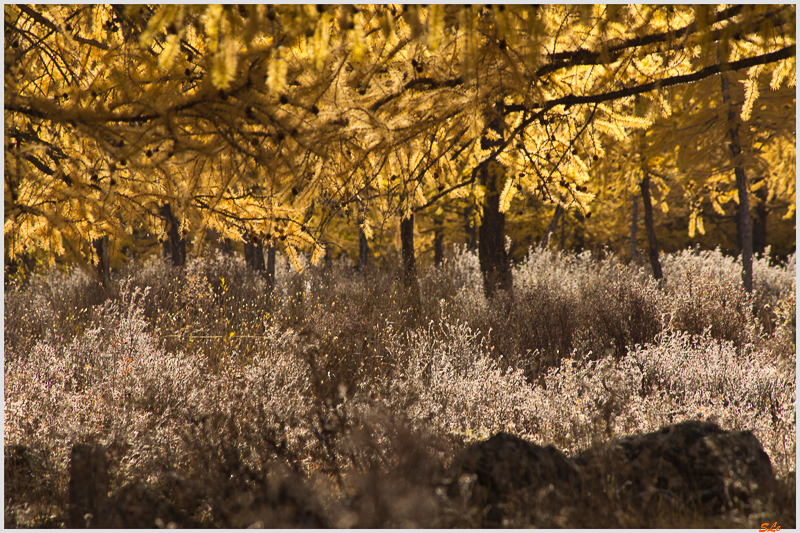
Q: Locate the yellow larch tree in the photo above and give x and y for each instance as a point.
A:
(257, 121)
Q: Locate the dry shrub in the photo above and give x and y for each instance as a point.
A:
(704, 290)
(335, 399)
(56, 304)
(618, 315)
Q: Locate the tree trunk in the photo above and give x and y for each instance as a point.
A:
(634, 223)
(11, 268)
(328, 260)
(254, 254)
(438, 242)
(407, 244)
(227, 247)
(745, 231)
(760, 221)
(270, 267)
(363, 245)
(363, 251)
(491, 234)
(102, 252)
(552, 227)
(648, 224)
(248, 252)
(410, 282)
(177, 243)
(469, 228)
(580, 242)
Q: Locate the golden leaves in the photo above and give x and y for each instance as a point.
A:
(696, 223)
(322, 35)
(366, 227)
(435, 22)
(224, 64)
(213, 18)
(507, 195)
(359, 46)
(412, 114)
(318, 254)
(611, 128)
(276, 76)
(750, 92)
(784, 70)
(171, 49)
(163, 17)
(294, 260)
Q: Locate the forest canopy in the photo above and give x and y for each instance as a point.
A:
(319, 129)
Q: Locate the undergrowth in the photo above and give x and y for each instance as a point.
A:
(337, 398)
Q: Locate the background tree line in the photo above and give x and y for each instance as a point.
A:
(345, 129)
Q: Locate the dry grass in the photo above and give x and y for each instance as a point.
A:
(338, 399)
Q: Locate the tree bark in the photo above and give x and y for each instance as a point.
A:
(491, 234)
(745, 231)
(101, 250)
(438, 242)
(552, 227)
(580, 241)
(634, 223)
(410, 281)
(11, 268)
(407, 244)
(227, 247)
(248, 252)
(177, 243)
(648, 224)
(328, 260)
(363, 251)
(270, 268)
(363, 245)
(472, 236)
(254, 257)
(254, 254)
(760, 221)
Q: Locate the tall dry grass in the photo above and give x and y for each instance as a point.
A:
(336, 399)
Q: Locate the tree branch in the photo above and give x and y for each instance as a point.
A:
(38, 17)
(585, 57)
(707, 72)
(570, 100)
(412, 84)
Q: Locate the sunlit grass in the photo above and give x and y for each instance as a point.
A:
(206, 376)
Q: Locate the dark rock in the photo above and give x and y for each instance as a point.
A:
(507, 472)
(689, 469)
(685, 475)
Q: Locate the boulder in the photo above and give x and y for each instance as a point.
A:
(505, 473)
(691, 469)
(691, 474)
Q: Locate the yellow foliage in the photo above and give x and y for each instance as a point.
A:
(389, 105)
